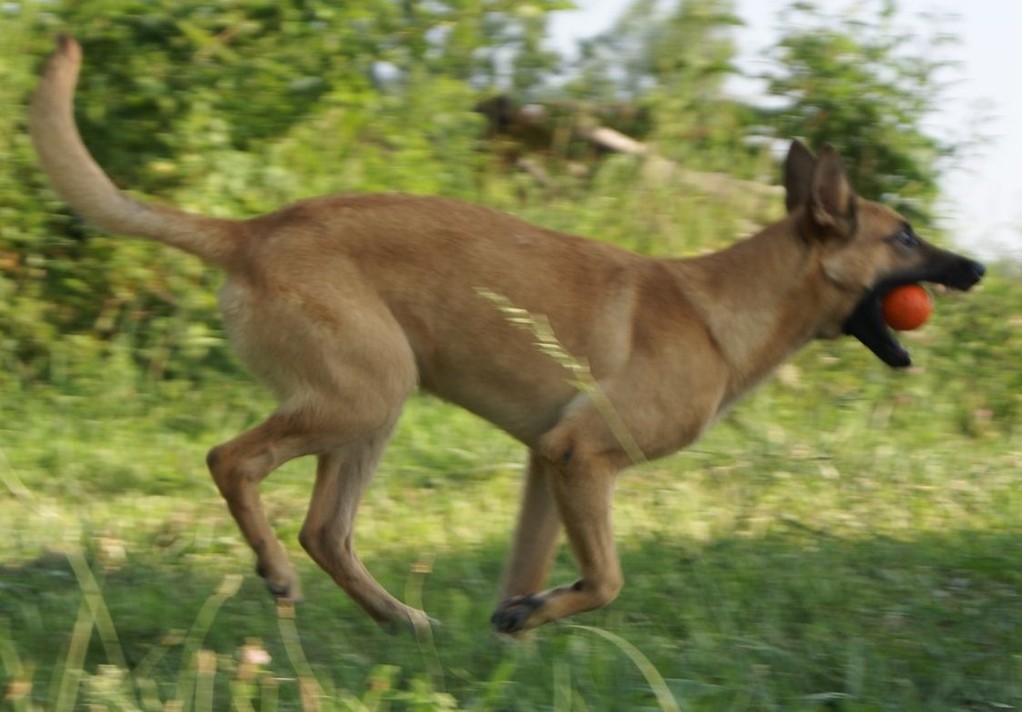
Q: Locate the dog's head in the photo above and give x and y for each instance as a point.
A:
(864, 249)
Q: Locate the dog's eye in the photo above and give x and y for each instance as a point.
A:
(906, 238)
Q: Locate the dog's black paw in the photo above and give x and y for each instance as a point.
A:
(512, 615)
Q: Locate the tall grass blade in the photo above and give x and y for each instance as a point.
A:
(97, 607)
(92, 613)
(190, 676)
(74, 661)
(309, 689)
(581, 377)
(653, 677)
(424, 633)
(205, 674)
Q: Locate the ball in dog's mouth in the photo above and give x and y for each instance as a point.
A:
(907, 307)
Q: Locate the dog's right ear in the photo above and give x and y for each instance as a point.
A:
(831, 198)
(799, 169)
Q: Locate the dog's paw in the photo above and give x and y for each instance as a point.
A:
(284, 589)
(512, 616)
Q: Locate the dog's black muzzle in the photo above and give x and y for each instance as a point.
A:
(867, 321)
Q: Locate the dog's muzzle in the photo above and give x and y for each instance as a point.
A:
(867, 321)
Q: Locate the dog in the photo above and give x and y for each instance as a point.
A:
(344, 305)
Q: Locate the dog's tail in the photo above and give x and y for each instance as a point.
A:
(75, 175)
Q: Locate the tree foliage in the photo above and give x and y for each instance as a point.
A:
(865, 83)
(673, 59)
(230, 108)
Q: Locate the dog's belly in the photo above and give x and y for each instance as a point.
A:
(522, 410)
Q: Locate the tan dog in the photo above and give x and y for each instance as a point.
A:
(344, 305)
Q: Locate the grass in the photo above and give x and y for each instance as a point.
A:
(843, 541)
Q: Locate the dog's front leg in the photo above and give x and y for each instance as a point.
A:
(581, 478)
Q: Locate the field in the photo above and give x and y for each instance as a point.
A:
(847, 539)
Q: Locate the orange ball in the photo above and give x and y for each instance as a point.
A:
(907, 307)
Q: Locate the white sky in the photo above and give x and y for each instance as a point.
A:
(983, 199)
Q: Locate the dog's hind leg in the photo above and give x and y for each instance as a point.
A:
(239, 465)
(536, 536)
(357, 405)
(328, 532)
(342, 369)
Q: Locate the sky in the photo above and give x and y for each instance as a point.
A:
(982, 207)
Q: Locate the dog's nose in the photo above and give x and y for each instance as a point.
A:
(964, 275)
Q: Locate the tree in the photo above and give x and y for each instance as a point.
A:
(672, 60)
(862, 83)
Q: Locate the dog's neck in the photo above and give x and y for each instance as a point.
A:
(751, 295)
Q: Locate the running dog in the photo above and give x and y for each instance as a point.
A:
(344, 305)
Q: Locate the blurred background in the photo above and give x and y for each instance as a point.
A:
(847, 539)
(980, 192)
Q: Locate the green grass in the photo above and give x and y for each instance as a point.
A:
(848, 539)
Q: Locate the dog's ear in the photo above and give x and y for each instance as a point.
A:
(819, 184)
(799, 167)
(831, 198)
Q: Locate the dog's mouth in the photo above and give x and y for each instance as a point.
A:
(866, 323)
